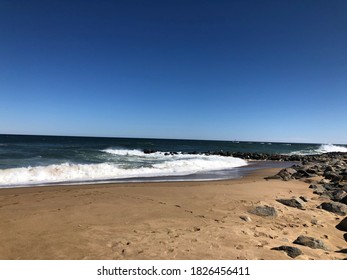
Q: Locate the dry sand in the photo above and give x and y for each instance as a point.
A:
(177, 220)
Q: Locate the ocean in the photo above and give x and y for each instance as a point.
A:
(42, 160)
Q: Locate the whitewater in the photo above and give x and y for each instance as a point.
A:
(43, 160)
(157, 165)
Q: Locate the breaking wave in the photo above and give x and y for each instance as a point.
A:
(325, 148)
(159, 165)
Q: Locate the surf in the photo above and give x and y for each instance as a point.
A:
(172, 165)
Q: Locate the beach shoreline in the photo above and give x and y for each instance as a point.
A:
(157, 220)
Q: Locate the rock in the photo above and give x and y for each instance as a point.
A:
(342, 225)
(311, 170)
(310, 242)
(331, 175)
(301, 174)
(329, 187)
(293, 202)
(292, 252)
(318, 189)
(344, 200)
(315, 222)
(148, 151)
(264, 211)
(304, 198)
(338, 195)
(245, 218)
(285, 174)
(329, 169)
(335, 207)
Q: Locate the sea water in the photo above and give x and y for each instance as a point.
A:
(37, 160)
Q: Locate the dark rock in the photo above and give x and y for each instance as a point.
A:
(329, 187)
(344, 200)
(337, 179)
(148, 151)
(342, 225)
(301, 174)
(335, 207)
(311, 171)
(292, 252)
(310, 242)
(293, 202)
(285, 174)
(264, 211)
(328, 169)
(338, 195)
(318, 189)
(304, 198)
(331, 175)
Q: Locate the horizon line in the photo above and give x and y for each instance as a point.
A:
(163, 138)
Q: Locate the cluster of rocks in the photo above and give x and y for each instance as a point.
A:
(304, 159)
(243, 155)
(330, 173)
(291, 251)
(332, 169)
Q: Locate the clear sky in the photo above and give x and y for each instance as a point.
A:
(235, 70)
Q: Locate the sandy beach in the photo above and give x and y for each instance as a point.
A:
(174, 220)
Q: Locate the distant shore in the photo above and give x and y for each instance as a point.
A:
(173, 220)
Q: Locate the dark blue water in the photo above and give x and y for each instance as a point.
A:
(54, 159)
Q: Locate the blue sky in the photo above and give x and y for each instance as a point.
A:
(238, 69)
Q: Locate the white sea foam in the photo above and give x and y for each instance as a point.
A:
(177, 165)
(324, 148)
(328, 148)
(124, 152)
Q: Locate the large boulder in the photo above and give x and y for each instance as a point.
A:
(293, 202)
(264, 211)
(335, 207)
(285, 174)
(342, 225)
(292, 252)
(310, 242)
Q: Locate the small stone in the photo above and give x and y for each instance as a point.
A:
(304, 198)
(315, 222)
(310, 242)
(292, 252)
(264, 211)
(196, 229)
(293, 202)
(245, 218)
